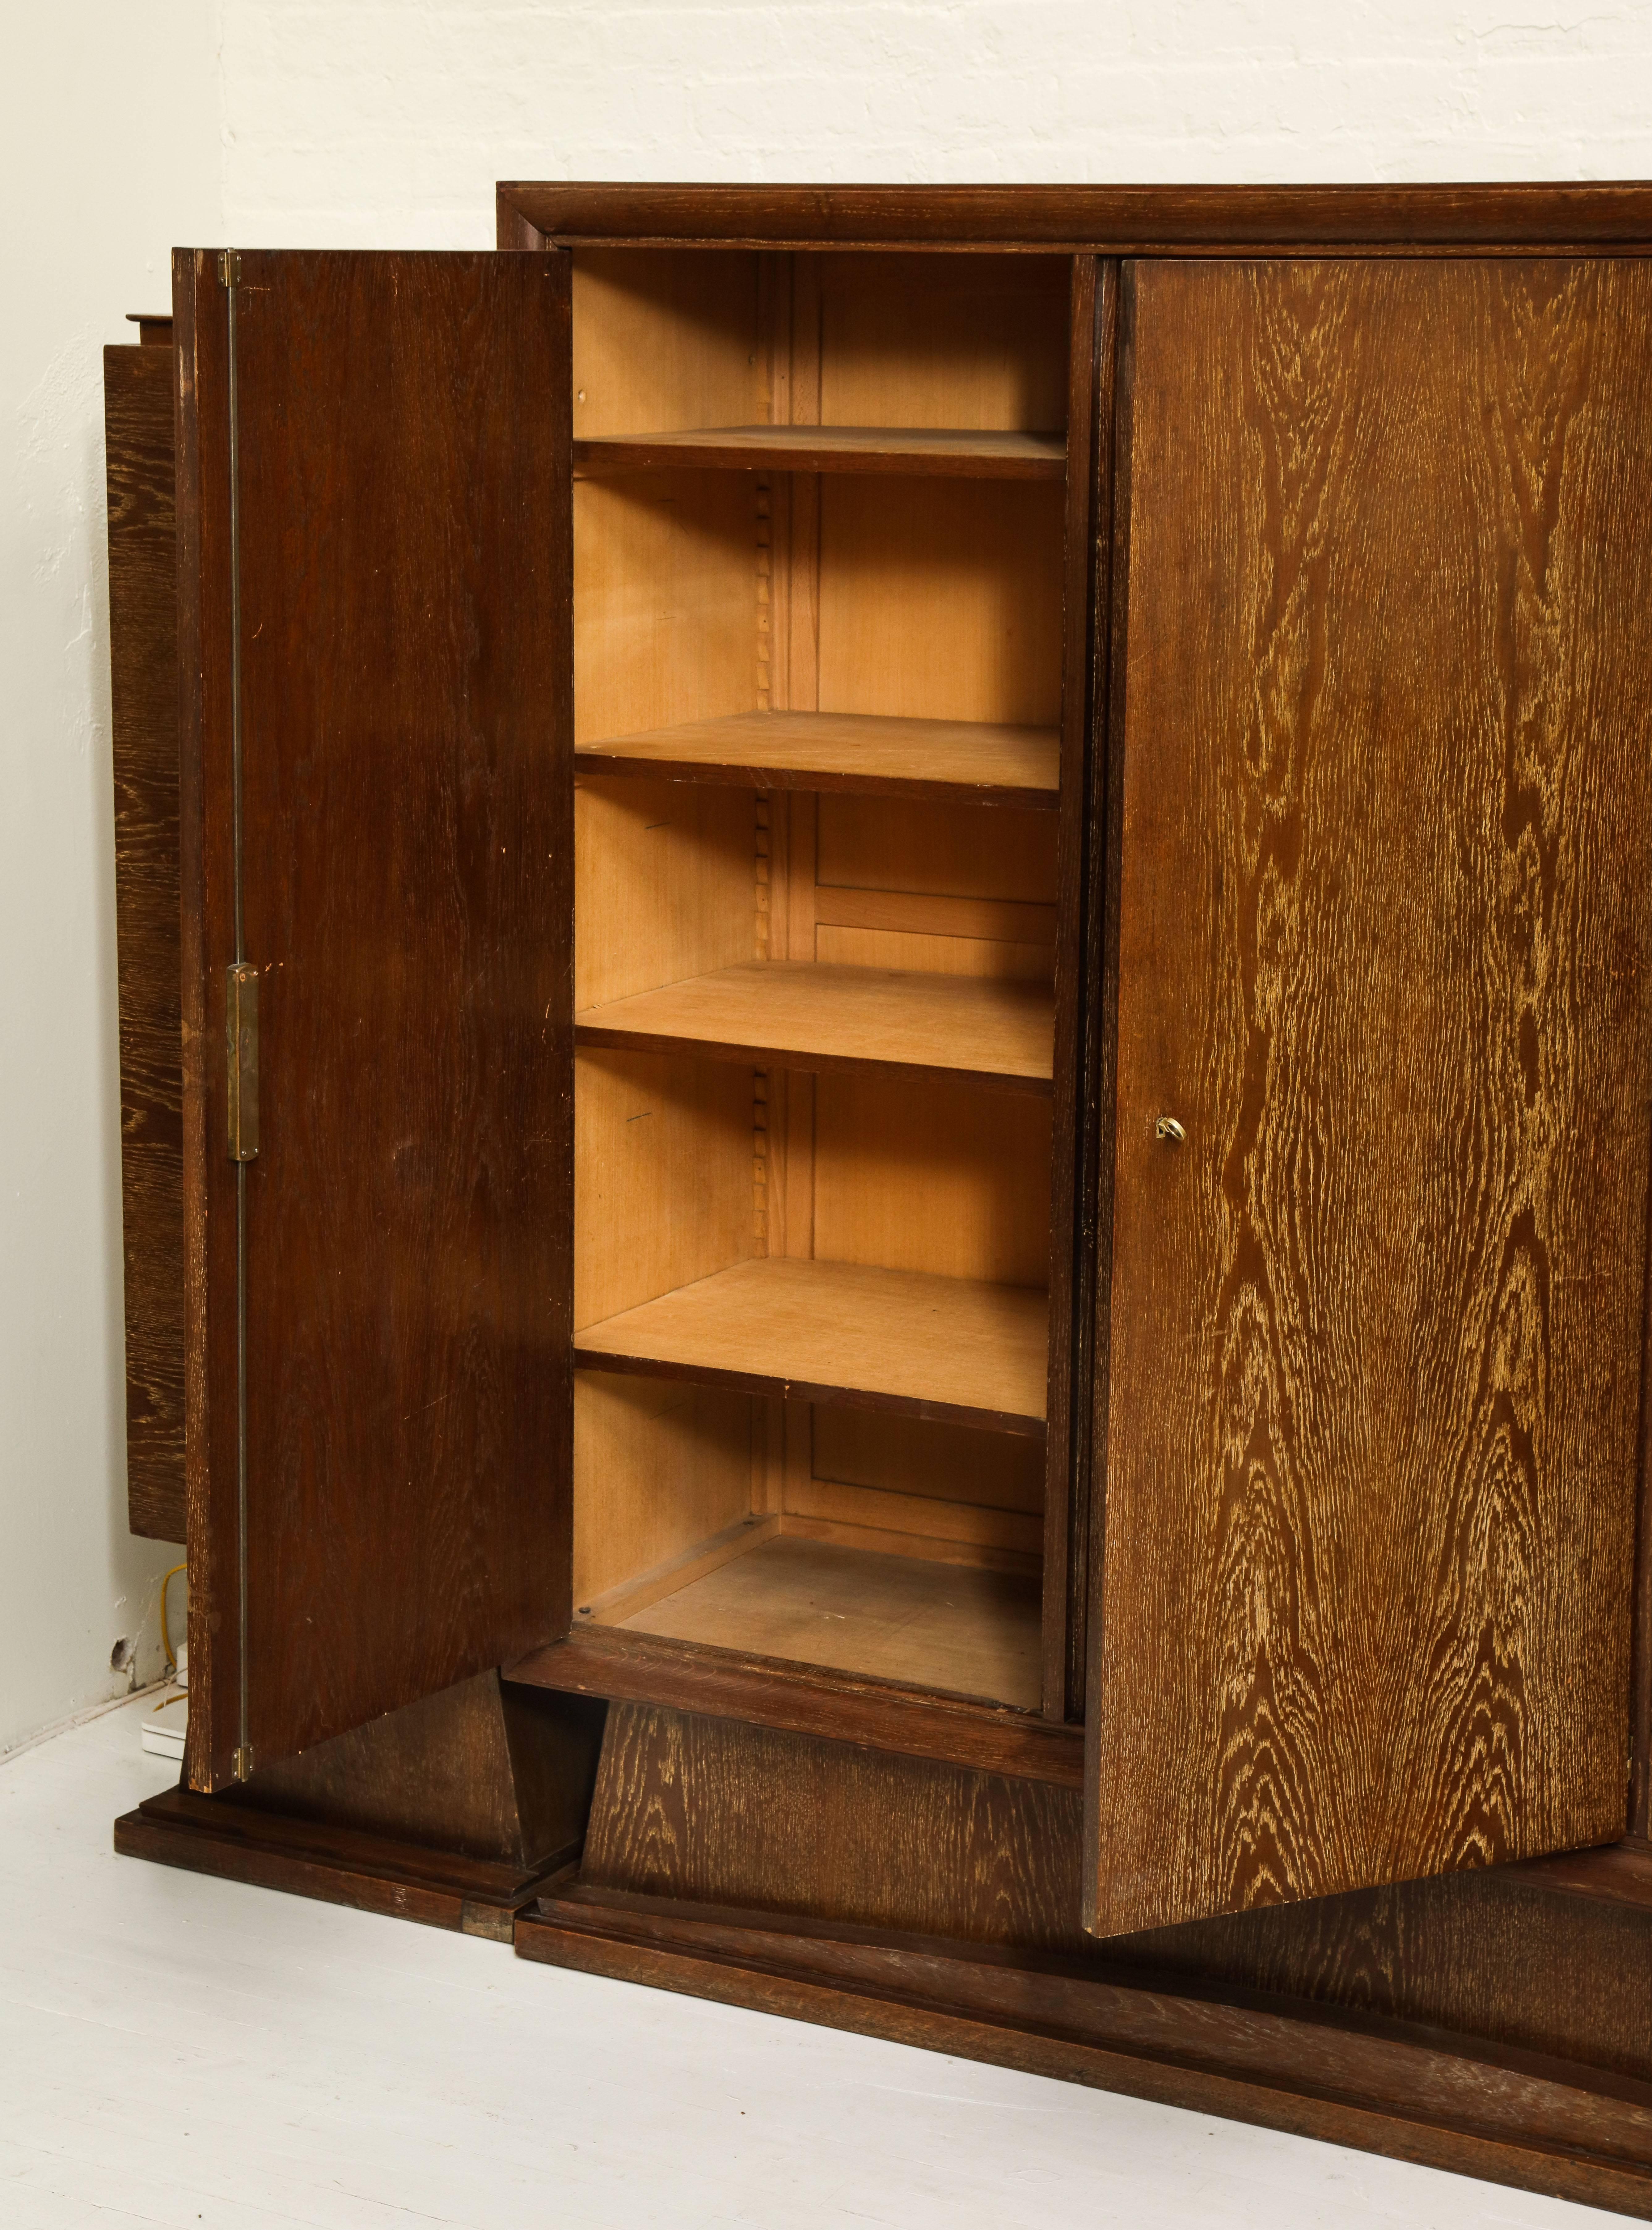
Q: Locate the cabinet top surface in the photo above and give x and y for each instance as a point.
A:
(1588, 214)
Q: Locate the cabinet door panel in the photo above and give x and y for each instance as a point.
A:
(1383, 685)
(402, 543)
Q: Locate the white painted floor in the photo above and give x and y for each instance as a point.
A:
(178, 2051)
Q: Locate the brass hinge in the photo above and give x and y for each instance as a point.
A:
(242, 1034)
(243, 1761)
(229, 267)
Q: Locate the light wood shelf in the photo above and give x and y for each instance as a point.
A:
(953, 454)
(951, 761)
(936, 1627)
(950, 1349)
(804, 1014)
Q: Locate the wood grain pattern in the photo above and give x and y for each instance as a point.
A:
(664, 592)
(1077, 1111)
(803, 1014)
(940, 600)
(138, 402)
(1384, 948)
(954, 1349)
(955, 452)
(918, 1621)
(933, 1177)
(693, 1808)
(666, 338)
(474, 1771)
(948, 1528)
(405, 571)
(898, 1455)
(662, 885)
(339, 1864)
(1115, 220)
(662, 1173)
(940, 341)
(987, 763)
(1512, 2118)
(206, 869)
(935, 851)
(1505, 1959)
(764, 1691)
(659, 1464)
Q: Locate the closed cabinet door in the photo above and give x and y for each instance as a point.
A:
(1381, 729)
(376, 581)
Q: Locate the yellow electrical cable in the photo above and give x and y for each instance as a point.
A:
(166, 1636)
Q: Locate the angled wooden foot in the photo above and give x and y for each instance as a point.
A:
(454, 1812)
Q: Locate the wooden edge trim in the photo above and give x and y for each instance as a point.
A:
(1106, 220)
(598, 759)
(765, 1692)
(801, 1389)
(615, 452)
(1640, 1695)
(515, 232)
(610, 1038)
(1278, 2068)
(1615, 1873)
(339, 1865)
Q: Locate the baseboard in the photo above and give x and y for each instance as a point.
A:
(1509, 2117)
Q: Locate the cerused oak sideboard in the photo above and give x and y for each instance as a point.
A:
(898, 1266)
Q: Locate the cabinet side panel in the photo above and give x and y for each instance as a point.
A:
(1384, 946)
(138, 384)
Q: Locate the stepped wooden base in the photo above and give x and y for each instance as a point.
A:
(453, 1812)
(1495, 2024)
(1412, 2092)
(479, 1896)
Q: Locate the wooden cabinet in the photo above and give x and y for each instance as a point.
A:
(948, 910)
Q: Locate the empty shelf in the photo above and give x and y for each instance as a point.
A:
(969, 761)
(946, 1348)
(941, 1627)
(834, 449)
(806, 1014)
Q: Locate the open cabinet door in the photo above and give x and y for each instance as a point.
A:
(1382, 683)
(377, 803)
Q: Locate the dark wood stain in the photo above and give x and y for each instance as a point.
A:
(1368, 779)
(765, 1692)
(405, 581)
(137, 390)
(1492, 1956)
(340, 1864)
(1512, 2116)
(698, 1808)
(1383, 944)
(1089, 381)
(1116, 220)
(1555, 1957)
(205, 863)
(477, 1768)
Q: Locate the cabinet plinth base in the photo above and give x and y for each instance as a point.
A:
(452, 1811)
(1412, 2092)
(476, 1897)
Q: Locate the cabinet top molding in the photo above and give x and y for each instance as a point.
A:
(1112, 219)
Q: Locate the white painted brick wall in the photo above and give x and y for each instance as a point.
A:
(359, 123)
(370, 123)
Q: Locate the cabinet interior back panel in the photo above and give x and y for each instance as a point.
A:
(941, 600)
(1385, 950)
(977, 343)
